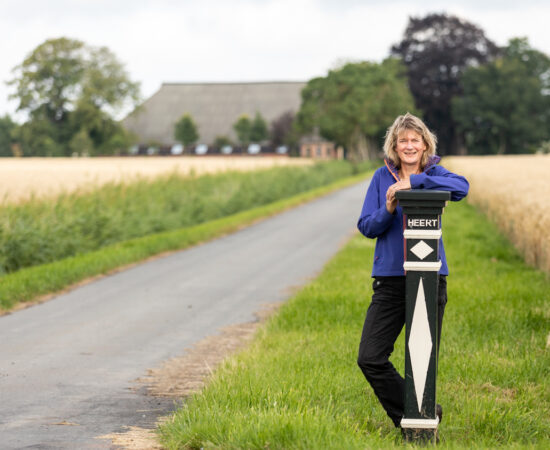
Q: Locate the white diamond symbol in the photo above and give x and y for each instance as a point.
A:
(420, 345)
(422, 249)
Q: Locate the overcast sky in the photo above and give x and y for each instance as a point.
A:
(244, 40)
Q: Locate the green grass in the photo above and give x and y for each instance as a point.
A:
(298, 385)
(29, 283)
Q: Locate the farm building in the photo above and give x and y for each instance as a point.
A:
(215, 107)
(314, 146)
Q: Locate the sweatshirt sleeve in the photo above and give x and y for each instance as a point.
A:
(443, 180)
(375, 218)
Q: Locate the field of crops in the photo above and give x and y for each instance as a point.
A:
(22, 178)
(514, 192)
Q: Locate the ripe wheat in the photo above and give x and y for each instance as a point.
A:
(514, 191)
(23, 178)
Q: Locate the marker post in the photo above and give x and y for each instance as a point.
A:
(422, 211)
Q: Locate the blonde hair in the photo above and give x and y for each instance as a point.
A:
(409, 122)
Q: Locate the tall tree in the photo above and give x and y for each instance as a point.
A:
(282, 131)
(505, 107)
(37, 137)
(258, 129)
(7, 127)
(72, 87)
(222, 141)
(437, 49)
(353, 105)
(47, 81)
(243, 129)
(185, 130)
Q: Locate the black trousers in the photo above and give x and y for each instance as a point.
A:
(384, 321)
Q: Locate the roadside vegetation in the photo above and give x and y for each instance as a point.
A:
(46, 245)
(298, 385)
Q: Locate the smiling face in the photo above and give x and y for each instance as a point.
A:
(409, 148)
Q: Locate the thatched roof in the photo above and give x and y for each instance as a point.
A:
(215, 107)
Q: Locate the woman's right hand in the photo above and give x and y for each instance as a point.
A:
(391, 201)
(391, 204)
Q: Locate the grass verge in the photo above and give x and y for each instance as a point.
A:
(298, 386)
(30, 283)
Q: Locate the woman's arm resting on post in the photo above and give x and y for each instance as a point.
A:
(442, 180)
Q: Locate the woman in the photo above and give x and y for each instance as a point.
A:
(410, 163)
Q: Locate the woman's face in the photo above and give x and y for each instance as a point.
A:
(410, 147)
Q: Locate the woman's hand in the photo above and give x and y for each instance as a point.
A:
(391, 201)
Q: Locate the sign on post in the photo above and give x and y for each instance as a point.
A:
(422, 211)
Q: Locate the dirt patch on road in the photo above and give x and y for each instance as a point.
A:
(134, 439)
(180, 377)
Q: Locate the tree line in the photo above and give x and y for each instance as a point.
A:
(477, 97)
(69, 92)
(280, 131)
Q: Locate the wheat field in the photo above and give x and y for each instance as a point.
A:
(514, 191)
(23, 178)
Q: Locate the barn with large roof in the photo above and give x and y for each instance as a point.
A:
(215, 107)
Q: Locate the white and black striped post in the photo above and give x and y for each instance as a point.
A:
(422, 211)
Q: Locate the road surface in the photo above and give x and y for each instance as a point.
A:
(68, 366)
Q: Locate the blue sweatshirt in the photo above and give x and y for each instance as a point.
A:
(377, 222)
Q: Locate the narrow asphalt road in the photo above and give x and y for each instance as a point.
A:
(67, 366)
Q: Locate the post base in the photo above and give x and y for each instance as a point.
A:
(420, 431)
(420, 436)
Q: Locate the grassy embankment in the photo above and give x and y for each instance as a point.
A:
(298, 386)
(47, 245)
